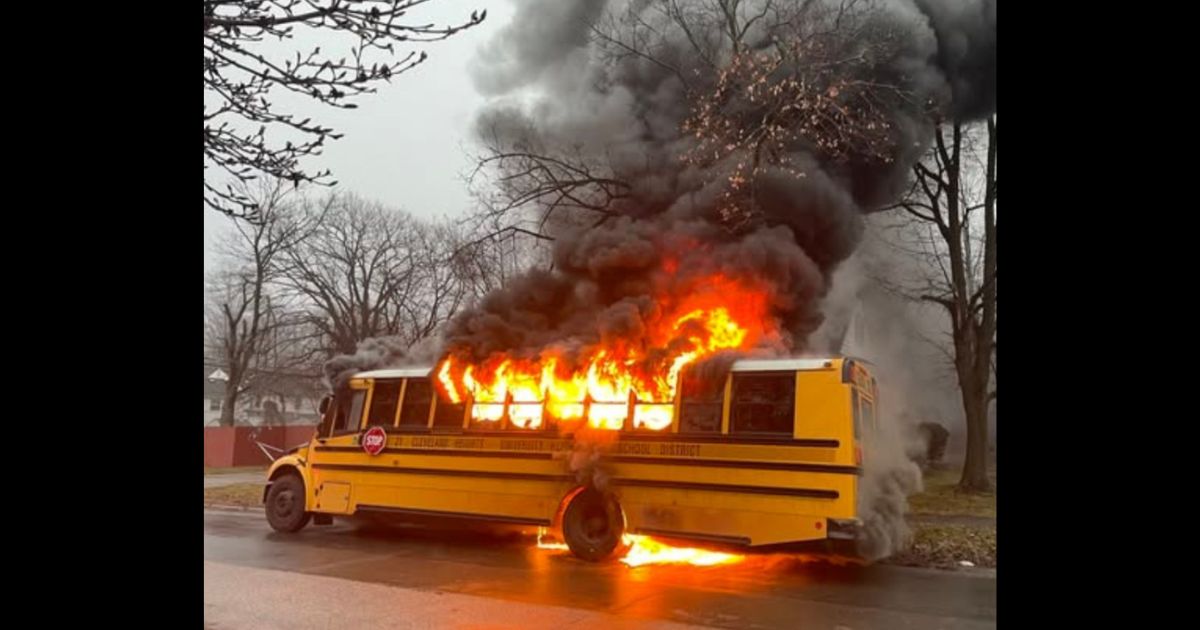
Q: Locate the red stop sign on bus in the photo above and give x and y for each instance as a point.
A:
(374, 440)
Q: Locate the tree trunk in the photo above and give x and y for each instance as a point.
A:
(228, 406)
(975, 405)
(976, 397)
(345, 345)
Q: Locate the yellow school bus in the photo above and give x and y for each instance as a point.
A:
(766, 453)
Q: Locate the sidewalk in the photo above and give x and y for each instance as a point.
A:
(242, 597)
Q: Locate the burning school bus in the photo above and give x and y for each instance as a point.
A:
(767, 453)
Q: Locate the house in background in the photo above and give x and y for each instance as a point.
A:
(283, 399)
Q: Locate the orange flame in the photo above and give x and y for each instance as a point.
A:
(625, 377)
(645, 550)
(542, 543)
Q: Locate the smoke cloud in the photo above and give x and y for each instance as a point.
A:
(573, 93)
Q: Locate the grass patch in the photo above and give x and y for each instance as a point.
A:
(239, 494)
(225, 470)
(944, 546)
(942, 498)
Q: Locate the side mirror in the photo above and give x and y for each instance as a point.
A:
(325, 402)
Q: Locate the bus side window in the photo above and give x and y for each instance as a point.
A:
(763, 404)
(349, 412)
(448, 415)
(417, 398)
(341, 409)
(868, 413)
(383, 403)
(856, 409)
(700, 404)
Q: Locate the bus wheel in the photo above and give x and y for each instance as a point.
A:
(285, 504)
(593, 526)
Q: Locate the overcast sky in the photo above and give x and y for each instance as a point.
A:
(404, 145)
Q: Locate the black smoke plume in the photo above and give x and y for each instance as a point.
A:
(624, 115)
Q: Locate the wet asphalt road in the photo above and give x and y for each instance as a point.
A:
(347, 575)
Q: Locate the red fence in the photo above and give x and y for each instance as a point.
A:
(235, 446)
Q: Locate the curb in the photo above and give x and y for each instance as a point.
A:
(968, 572)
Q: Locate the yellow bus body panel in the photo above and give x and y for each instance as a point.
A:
(753, 492)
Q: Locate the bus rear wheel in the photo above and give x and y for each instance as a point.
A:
(285, 505)
(593, 526)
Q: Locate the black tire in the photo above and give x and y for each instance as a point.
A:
(285, 505)
(593, 526)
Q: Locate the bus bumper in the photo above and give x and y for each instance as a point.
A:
(843, 529)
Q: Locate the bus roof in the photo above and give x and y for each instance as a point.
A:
(745, 365)
(784, 365)
(412, 372)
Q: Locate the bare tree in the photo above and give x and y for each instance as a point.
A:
(950, 222)
(369, 271)
(524, 186)
(500, 254)
(813, 87)
(247, 327)
(239, 77)
(448, 275)
(759, 78)
(352, 269)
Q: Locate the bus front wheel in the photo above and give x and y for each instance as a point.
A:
(285, 505)
(593, 526)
